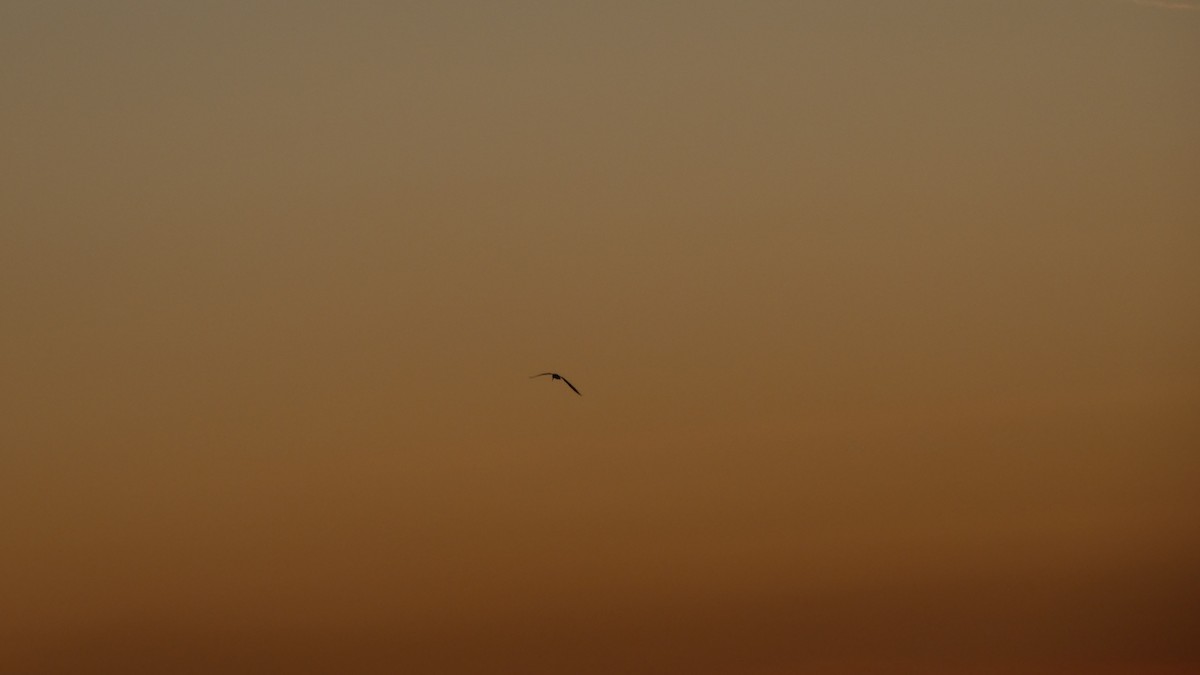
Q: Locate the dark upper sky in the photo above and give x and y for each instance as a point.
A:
(885, 315)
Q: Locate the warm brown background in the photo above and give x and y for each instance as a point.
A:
(886, 317)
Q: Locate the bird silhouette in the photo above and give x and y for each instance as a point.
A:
(556, 376)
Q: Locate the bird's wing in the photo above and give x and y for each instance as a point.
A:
(539, 375)
(570, 385)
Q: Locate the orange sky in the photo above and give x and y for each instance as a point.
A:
(884, 315)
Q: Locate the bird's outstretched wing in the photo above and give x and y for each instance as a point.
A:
(570, 385)
(539, 375)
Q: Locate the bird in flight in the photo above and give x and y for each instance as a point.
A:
(556, 376)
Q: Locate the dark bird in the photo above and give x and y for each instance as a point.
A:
(556, 376)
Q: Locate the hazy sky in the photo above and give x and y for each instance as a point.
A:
(885, 316)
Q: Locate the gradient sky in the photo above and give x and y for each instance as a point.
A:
(885, 316)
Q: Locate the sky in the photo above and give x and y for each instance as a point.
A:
(884, 317)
